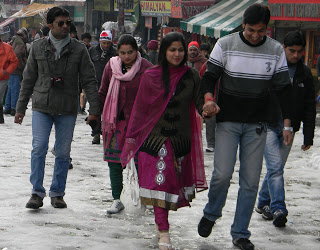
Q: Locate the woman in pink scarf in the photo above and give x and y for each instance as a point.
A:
(164, 127)
(119, 86)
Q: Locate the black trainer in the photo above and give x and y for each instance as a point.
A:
(96, 139)
(243, 243)
(265, 212)
(205, 227)
(58, 202)
(279, 218)
(35, 202)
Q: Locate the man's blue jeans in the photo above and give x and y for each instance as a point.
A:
(230, 135)
(41, 129)
(276, 153)
(13, 92)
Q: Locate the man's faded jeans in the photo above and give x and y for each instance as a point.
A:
(276, 153)
(251, 139)
(41, 129)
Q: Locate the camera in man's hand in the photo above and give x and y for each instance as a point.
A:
(57, 81)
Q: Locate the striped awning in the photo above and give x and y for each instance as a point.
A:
(7, 22)
(219, 20)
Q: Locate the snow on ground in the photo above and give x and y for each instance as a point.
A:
(85, 225)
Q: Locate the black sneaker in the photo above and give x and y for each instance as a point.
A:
(243, 243)
(35, 202)
(96, 139)
(58, 202)
(13, 112)
(279, 218)
(7, 111)
(265, 212)
(205, 227)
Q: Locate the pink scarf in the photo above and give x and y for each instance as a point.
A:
(110, 108)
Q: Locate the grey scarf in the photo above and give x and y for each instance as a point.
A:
(59, 44)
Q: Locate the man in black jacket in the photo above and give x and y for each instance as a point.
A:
(271, 200)
(100, 56)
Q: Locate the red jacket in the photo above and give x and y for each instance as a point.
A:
(8, 60)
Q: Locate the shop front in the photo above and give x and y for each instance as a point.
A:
(301, 15)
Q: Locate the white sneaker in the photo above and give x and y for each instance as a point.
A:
(209, 149)
(116, 207)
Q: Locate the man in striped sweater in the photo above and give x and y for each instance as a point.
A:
(249, 65)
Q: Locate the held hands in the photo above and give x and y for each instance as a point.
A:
(210, 108)
(287, 137)
(93, 121)
(18, 118)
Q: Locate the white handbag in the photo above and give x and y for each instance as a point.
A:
(130, 195)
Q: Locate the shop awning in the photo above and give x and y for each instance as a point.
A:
(7, 22)
(32, 10)
(70, 2)
(219, 20)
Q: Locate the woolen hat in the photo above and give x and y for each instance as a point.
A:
(193, 44)
(106, 35)
(138, 40)
(153, 44)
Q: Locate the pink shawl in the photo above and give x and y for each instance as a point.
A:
(110, 108)
(149, 105)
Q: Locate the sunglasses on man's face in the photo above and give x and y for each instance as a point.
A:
(61, 23)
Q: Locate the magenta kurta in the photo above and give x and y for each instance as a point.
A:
(113, 143)
(165, 180)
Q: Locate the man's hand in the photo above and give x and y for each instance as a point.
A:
(287, 137)
(93, 119)
(305, 147)
(18, 118)
(210, 108)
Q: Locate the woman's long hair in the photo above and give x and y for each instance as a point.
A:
(162, 59)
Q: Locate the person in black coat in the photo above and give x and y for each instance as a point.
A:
(100, 56)
(271, 200)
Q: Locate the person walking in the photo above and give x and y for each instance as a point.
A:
(164, 128)
(20, 49)
(8, 63)
(100, 56)
(50, 76)
(195, 58)
(271, 199)
(249, 64)
(153, 51)
(119, 86)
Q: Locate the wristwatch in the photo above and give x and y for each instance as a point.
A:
(288, 129)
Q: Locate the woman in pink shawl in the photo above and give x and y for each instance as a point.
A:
(119, 86)
(165, 128)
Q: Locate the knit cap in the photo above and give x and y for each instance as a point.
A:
(153, 44)
(106, 35)
(138, 40)
(193, 44)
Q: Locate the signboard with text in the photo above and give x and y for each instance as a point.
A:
(176, 10)
(294, 10)
(192, 8)
(155, 8)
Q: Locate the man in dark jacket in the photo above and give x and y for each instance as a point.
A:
(271, 200)
(100, 56)
(20, 49)
(51, 77)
